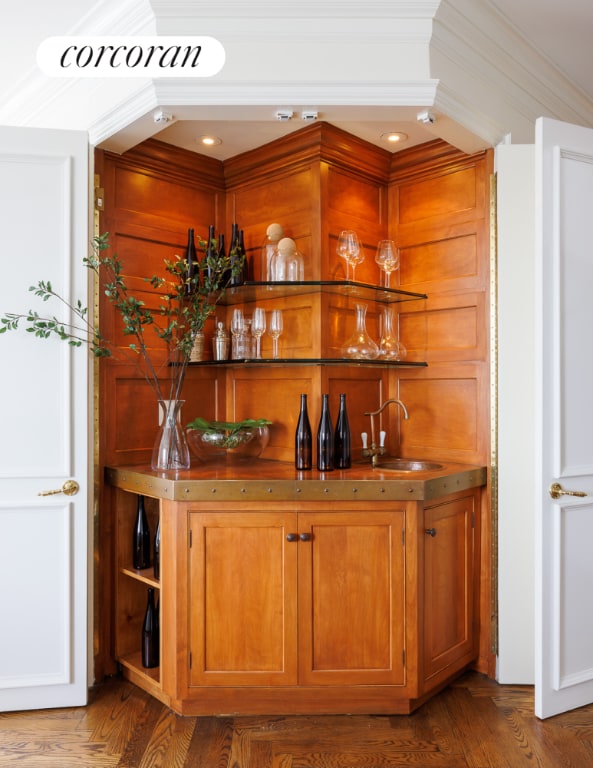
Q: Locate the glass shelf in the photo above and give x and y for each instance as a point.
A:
(270, 361)
(254, 291)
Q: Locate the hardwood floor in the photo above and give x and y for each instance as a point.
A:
(475, 723)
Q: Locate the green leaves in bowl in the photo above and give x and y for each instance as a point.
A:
(227, 426)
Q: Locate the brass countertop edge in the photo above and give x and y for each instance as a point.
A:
(176, 488)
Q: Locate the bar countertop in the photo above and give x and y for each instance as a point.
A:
(264, 480)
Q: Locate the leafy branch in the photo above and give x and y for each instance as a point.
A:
(187, 298)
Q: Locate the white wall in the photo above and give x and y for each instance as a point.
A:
(516, 451)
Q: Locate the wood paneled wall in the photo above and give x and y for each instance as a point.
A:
(432, 200)
(439, 213)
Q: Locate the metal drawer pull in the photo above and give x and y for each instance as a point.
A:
(556, 491)
(431, 531)
(296, 537)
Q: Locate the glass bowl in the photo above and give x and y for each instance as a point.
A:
(227, 441)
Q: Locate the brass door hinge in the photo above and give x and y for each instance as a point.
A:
(99, 197)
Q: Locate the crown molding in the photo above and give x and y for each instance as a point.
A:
(125, 126)
(130, 118)
(493, 77)
(333, 9)
(363, 93)
(38, 100)
(459, 57)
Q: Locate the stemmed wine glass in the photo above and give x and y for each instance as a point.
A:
(387, 258)
(258, 327)
(350, 249)
(275, 330)
(238, 331)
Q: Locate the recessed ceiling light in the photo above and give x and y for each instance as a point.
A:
(209, 141)
(394, 137)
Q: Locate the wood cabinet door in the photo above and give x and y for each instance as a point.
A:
(351, 598)
(448, 583)
(242, 598)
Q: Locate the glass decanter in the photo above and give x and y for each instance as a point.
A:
(390, 348)
(360, 346)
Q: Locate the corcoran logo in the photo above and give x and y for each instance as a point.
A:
(166, 56)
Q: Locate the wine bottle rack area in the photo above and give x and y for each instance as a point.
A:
(132, 585)
(144, 575)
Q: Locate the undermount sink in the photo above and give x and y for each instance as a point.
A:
(408, 465)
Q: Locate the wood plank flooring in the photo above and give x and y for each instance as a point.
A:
(475, 723)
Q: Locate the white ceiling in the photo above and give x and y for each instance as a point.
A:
(561, 31)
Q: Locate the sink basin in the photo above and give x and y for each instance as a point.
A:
(408, 465)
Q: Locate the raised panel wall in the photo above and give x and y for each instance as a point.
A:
(432, 200)
(439, 216)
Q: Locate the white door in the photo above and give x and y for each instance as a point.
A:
(44, 399)
(564, 526)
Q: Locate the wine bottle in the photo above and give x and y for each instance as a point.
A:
(235, 254)
(192, 261)
(157, 551)
(325, 438)
(303, 439)
(209, 257)
(150, 633)
(342, 440)
(243, 252)
(226, 275)
(141, 538)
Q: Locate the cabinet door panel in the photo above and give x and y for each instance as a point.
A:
(243, 599)
(351, 598)
(448, 584)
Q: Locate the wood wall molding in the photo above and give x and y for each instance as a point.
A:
(320, 142)
(154, 157)
(428, 158)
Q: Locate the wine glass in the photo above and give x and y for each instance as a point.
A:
(258, 327)
(387, 258)
(237, 330)
(276, 326)
(350, 249)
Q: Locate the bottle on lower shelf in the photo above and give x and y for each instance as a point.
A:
(141, 538)
(157, 551)
(150, 633)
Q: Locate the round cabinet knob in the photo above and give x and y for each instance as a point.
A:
(292, 537)
(431, 532)
(305, 537)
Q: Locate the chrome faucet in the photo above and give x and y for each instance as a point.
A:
(374, 451)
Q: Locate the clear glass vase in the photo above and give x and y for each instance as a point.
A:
(360, 346)
(170, 451)
(390, 348)
(388, 344)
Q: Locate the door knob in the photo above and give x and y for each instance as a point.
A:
(556, 491)
(70, 488)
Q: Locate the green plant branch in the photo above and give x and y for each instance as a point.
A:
(185, 304)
